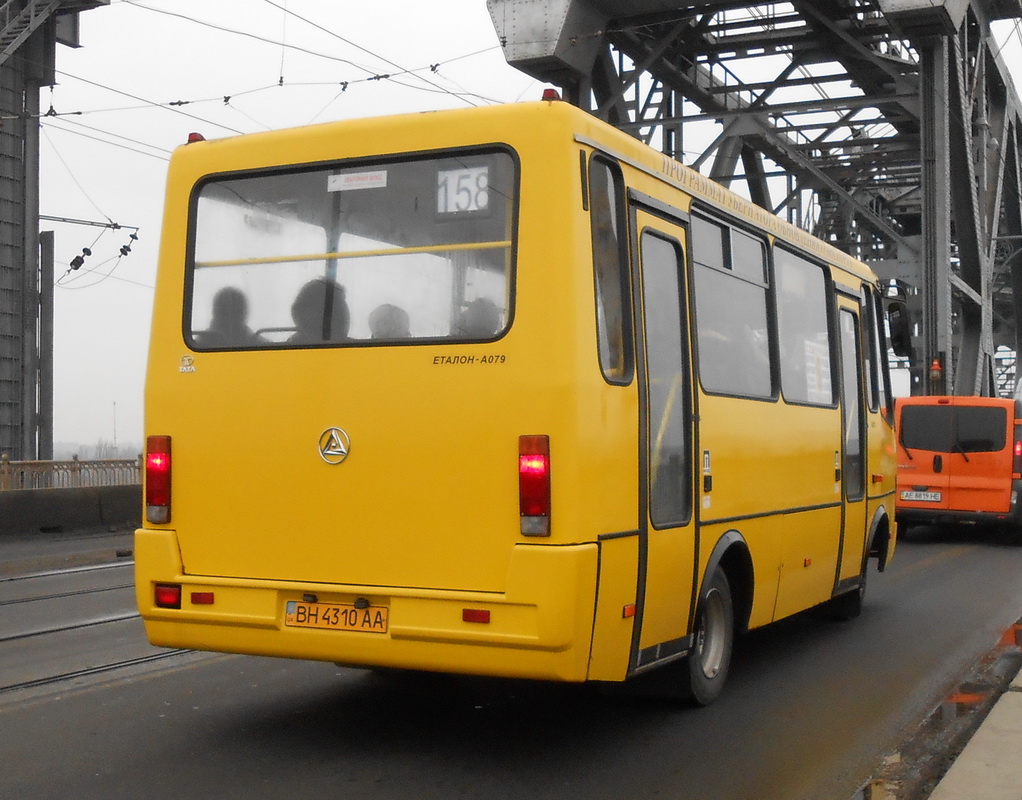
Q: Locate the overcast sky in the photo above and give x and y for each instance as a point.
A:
(229, 66)
(239, 66)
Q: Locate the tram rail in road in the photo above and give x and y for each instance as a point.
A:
(67, 624)
(909, 655)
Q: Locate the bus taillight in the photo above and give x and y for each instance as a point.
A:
(1016, 461)
(157, 479)
(534, 484)
(167, 595)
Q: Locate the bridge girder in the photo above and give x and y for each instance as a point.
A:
(889, 128)
(29, 33)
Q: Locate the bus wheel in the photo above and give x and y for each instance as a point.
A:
(710, 658)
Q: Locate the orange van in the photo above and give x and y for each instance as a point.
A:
(959, 460)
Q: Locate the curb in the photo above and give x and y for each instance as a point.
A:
(990, 767)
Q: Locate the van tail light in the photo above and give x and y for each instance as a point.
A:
(157, 479)
(534, 484)
(1016, 461)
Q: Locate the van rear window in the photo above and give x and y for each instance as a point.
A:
(354, 253)
(954, 429)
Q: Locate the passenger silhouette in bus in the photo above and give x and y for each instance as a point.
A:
(389, 322)
(229, 325)
(479, 320)
(320, 313)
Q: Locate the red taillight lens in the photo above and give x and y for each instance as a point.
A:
(534, 484)
(1016, 462)
(167, 595)
(157, 479)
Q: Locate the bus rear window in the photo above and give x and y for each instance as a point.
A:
(389, 252)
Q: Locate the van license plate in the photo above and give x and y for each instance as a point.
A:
(336, 617)
(924, 497)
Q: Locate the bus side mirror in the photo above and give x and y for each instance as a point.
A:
(900, 328)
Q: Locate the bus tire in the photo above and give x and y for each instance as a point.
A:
(713, 642)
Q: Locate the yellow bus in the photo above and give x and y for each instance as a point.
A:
(501, 391)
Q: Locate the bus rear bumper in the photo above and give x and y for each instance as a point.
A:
(539, 627)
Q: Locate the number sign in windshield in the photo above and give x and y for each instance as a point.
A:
(463, 190)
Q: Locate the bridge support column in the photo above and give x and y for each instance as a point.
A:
(935, 334)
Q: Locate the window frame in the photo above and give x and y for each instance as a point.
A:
(344, 164)
(830, 302)
(624, 272)
(700, 213)
(685, 364)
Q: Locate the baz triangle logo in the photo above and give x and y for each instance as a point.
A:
(334, 445)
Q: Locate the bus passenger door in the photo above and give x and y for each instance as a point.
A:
(852, 460)
(667, 539)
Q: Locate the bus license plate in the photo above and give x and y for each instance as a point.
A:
(336, 617)
(924, 497)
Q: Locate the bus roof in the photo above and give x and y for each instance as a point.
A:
(433, 129)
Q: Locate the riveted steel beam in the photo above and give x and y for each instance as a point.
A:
(876, 111)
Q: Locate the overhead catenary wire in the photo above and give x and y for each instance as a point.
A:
(73, 178)
(361, 48)
(175, 105)
(372, 74)
(248, 35)
(73, 283)
(283, 42)
(146, 102)
(53, 119)
(48, 122)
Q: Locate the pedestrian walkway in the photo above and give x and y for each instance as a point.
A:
(990, 767)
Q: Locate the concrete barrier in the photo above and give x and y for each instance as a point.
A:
(33, 510)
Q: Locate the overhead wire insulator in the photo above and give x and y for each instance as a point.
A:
(126, 248)
(79, 260)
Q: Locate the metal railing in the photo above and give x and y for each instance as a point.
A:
(71, 474)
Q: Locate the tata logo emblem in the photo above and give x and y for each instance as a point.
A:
(334, 445)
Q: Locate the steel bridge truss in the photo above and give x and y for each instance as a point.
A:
(889, 128)
(29, 32)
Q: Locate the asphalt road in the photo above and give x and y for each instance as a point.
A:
(811, 710)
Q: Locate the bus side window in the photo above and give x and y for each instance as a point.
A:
(878, 376)
(610, 266)
(803, 330)
(729, 272)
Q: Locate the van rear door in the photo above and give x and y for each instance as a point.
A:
(924, 441)
(981, 455)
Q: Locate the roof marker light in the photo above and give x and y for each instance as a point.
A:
(551, 94)
(195, 137)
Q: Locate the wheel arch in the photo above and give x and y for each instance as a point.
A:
(731, 554)
(879, 544)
